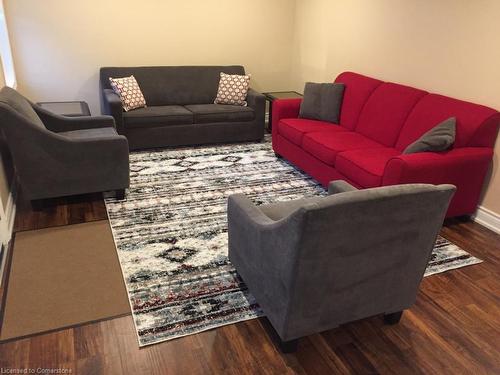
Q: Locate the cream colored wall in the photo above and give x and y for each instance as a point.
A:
(446, 46)
(59, 45)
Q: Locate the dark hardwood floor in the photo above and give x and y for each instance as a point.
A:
(453, 328)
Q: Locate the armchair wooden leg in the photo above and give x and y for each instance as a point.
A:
(393, 318)
(120, 194)
(284, 346)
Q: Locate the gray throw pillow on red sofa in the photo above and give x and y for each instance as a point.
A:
(322, 101)
(439, 138)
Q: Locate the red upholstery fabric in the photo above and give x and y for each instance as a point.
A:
(476, 125)
(321, 172)
(358, 89)
(294, 129)
(365, 166)
(464, 167)
(386, 111)
(285, 108)
(326, 145)
(387, 114)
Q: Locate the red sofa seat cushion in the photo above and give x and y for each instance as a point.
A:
(386, 111)
(358, 89)
(326, 145)
(476, 124)
(294, 129)
(365, 166)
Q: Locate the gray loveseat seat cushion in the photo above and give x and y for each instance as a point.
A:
(157, 116)
(206, 113)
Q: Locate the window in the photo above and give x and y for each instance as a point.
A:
(5, 51)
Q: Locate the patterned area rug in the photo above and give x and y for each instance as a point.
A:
(171, 234)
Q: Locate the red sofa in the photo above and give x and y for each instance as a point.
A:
(377, 121)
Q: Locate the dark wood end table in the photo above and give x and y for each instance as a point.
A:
(272, 96)
(68, 109)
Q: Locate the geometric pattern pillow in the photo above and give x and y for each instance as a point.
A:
(233, 89)
(129, 91)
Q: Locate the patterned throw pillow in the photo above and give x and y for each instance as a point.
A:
(129, 91)
(233, 89)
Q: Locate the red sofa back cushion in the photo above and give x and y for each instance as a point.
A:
(386, 111)
(433, 109)
(358, 89)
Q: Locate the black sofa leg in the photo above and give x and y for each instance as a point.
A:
(37, 204)
(278, 155)
(284, 346)
(288, 346)
(120, 194)
(393, 318)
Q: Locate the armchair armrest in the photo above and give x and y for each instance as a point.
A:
(243, 210)
(340, 186)
(112, 105)
(58, 123)
(285, 108)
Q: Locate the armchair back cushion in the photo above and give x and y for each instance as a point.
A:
(20, 105)
(173, 85)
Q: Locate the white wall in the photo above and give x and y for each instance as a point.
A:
(447, 46)
(59, 45)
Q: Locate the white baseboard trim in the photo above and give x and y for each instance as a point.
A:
(6, 228)
(488, 219)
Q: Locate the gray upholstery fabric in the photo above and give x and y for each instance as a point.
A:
(64, 156)
(206, 113)
(344, 257)
(173, 85)
(20, 104)
(157, 116)
(182, 85)
(322, 101)
(98, 133)
(439, 138)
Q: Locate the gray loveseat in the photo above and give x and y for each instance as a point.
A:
(180, 107)
(316, 263)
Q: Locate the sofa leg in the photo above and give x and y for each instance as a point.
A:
(120, 194)
(393, 318)
(284, 346)
(278, 155)
(37, 204)
(288, 346)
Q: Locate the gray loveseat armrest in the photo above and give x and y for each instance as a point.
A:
(257, 102)
(339, 186)
(58, 123)
(112, 106)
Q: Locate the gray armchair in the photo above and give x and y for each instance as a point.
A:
(313, 264)
(57, 156)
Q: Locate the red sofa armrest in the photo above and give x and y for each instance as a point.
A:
(465, 168)
(285, 108)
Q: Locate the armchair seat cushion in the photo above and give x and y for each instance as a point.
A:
(279, 210)
(97, 133)
(157, 116)
(294, 129)
(326, 145)
(365, 166)
(208, 113)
